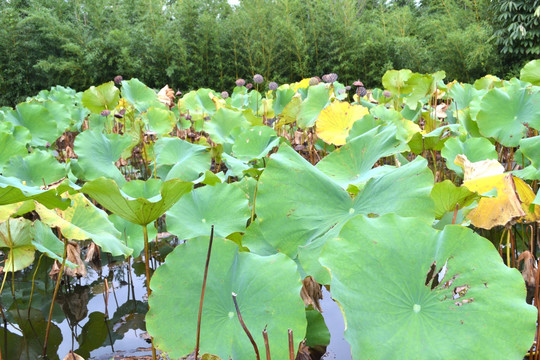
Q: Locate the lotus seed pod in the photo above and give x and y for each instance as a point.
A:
(358, 83)
(341, 91)
(361, 91)
(273, 85)
(258, 79)
(188, 117)
(118, 79)
(178, 93)
(325, 78)
(387, 94)
(224, 94)
(348, 88)
(249, 86)
(106, 113)
(331, 77)
(240, 82)
(314, 81)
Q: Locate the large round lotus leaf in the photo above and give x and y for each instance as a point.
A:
(17, 238)
(223, 205)
(197, 102)
(476, 149)
(45, 241)
(463, 94)
(406, 129)
(297, 203)
(180, 159)
(131, 233)
(13, 190)
(225, 125)
(255, 143)
(103, 97)
(140, 95)
(98, 153)
(267, 289)
(421, 86)
(353, 162)
(162, 121)
(503, 113)
(396, 81)
(531, 72)
(140, 202)
(45, 121)
(530, 147)
(283, 97)
(316, 100)
(335, 121)
(84, 221)
(10, 147)
(408, 289)
(37, 169)
(487, 82)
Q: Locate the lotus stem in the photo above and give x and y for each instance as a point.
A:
(266, 343)
(199, 318)
(245, 327)
(33, 285)
(56, 288)
(291, 345)
(147, 271)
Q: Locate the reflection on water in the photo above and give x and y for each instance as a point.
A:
(85, 319)
(338, 348)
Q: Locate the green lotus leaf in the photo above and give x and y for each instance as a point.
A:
(267, 289)
(476, 149)
(131, 233)
(84, 221)
(13, 190)
(140, 202)
(45, 121)
(353, 162)
(180, 159)
(46, 242)
(530, 147)
(11, 147)
(198, 102)
(225, 126)
(290, 112)
(487, 82)
(311, 107)
(161, 121)
(446, 196)
(283, 97)
(223, 205)
(537, 198)
(463, 94)
(15, 209)
(317, 332)
(103, 97)
(297, 203)
(17, 237)
(406, 129)
(531, 72)
(503, 113)
(396, 81)
(407, 288)
(98, 153)
(363, 125)
(255, 102)
(255, 143)
(235, 167)
(420, 86)
(36, 169)
(140, 95)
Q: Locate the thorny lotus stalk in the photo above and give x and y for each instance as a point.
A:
(58, 281)
(197, 343)
(291, 345)
(246, 330)
(266, 343)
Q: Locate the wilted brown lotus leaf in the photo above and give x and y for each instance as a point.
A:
(303, 352)
(529, 269)
(74, 255)
(311, 293)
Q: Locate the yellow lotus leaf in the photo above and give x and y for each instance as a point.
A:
(500, 210)
(218, 102)
(474, 170)
(302, 84)
(526, 195)
(335, 121)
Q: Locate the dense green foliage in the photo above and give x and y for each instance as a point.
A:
(209, 43)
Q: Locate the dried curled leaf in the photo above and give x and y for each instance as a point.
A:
(529, 271)
(311, 293)
(166, 96)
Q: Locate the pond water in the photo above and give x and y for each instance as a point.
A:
(93, 325)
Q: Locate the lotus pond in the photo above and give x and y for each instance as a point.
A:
(208, 225)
